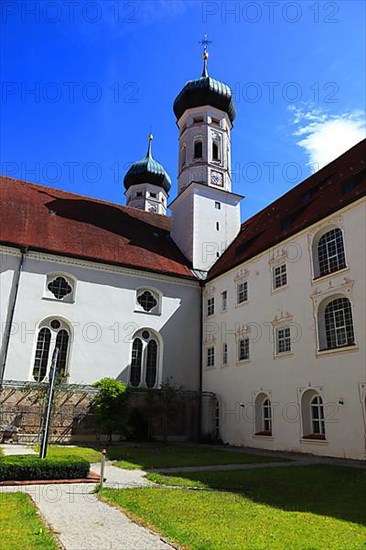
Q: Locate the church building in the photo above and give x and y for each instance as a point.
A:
(268, 314)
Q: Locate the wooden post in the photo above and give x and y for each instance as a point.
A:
(102, 467)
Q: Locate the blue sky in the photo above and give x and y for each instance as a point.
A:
(103, 72)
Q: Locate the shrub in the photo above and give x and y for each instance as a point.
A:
(110, 406)
(28, 467)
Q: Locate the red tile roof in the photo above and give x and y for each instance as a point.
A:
(51, 220)
(328, 190)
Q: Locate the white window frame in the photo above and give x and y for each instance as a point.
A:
(282, 338)
(241, 290)
(210, 306)
(243, 349)
(279, 276)
(210, 357)
(153, 336)
(46, 324)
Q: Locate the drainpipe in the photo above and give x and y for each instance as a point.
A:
(11, 310)
(200, 367)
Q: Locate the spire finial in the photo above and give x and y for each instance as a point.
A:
(150, 137)
(205, 42)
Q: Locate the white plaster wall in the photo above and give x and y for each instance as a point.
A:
(104, 320)
(194, 219)
(8, 266)
(338, 375)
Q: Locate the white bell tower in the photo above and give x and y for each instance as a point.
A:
(206, 214)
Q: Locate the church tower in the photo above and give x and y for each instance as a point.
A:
(147, 184)
(206, 214)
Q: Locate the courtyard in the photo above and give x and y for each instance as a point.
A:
(192, 497)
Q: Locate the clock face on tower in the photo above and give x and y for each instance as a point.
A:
(217, 179)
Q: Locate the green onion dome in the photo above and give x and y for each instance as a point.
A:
(205, 91)
(147, 170)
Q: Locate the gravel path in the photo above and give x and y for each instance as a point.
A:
(17, 450)
(82, 521)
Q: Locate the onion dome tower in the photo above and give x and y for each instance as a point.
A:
(206, 214)
(147, 184)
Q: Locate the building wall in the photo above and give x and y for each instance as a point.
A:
(104, 316)
(338, 375)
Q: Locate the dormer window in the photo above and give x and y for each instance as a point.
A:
(197, 150)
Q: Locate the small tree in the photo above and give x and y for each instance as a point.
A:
(110, 406)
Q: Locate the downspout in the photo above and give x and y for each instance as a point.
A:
(200, 419)
(11, 310)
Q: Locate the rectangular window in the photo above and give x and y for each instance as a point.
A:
(224, 353)
(197, 154)
(243, 349)
(153, 195)
(139, 194)
(279, 276)
(210, 308)
(224, 300)
(210, 357)
(283, 340)
(242, 292)
(217, 205)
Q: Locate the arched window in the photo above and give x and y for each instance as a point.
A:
(312, 410)
(328, 253)
(317, 415)
(42, 353)
(215, 151)
(197, 152)
(136, 363)
(263, 415)
(151, 363)
(145, 360)
(335, 324)
(52, 333)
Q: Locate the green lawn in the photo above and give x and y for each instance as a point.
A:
(302, 507)
(147, 456)
(91, 455)
(21, 526)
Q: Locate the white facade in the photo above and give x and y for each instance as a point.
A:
(102, 316)
(292, 379)
(205, 221)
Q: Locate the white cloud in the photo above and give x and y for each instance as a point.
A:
(324, 136)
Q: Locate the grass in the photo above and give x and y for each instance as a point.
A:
(88, 453)
(147, 456)
(302, 507)
(21, 526)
